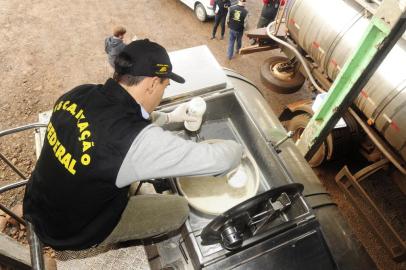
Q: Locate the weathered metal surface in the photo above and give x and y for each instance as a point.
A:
(13, 253)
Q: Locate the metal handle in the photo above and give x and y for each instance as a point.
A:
(288, 135)
(37, 260)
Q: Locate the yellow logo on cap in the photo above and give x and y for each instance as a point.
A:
(163, 69)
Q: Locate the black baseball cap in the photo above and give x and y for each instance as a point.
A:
(146, 58)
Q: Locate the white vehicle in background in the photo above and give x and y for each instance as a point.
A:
(202, 8)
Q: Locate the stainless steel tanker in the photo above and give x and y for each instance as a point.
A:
(340, 26)
(324, 34)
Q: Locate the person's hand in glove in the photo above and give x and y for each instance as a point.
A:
(177, 115)
(180, 115)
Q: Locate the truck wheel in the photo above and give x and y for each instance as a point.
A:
(283, 82)
(200, 12)
(297, 124)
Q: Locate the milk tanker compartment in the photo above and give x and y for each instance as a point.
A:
(340, 26)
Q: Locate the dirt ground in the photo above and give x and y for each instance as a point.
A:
(49, 47)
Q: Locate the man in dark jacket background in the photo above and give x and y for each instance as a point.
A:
(237, 21)
(220, 9)
(114, 44)
(269, 11)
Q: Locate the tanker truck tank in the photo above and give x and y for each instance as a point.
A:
(340, 26)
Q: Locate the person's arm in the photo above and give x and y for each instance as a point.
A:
(159, 118)
(215, 7)
(178, 115)
(228, 16)
(156, 153)
(105, 45)
(246, 21)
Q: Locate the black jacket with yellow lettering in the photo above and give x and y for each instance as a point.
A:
(237, 16)
(71, 197)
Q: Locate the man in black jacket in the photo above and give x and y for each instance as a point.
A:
(269, 11)
(100, 140)
(237, 21)
(220, 9)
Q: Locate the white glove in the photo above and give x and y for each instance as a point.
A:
(180, 115)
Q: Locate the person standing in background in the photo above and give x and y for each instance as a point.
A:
(220, 9)
(237, 22)
(269, 11)
(114, 44)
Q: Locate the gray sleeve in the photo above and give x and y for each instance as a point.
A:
(159, 118)
(156, 153)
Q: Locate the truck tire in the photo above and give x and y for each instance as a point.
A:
(297, 124)
(286, 86)
(200, 12)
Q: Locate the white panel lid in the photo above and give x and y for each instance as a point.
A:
(200, 69)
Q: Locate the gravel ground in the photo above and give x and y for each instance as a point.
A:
(48, 47)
